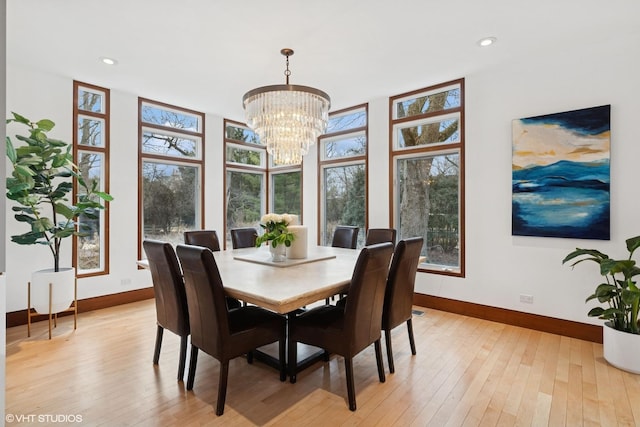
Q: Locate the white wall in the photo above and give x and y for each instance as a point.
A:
(499, 267)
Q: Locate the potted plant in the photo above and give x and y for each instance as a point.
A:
(620, 299)
(43, 175)
(277, 234)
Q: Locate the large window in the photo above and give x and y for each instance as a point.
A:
(342, 164)
(91, 153)
(427, 160)
(253, 184)
(171, 154)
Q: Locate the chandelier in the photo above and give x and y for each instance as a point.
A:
(287, 118)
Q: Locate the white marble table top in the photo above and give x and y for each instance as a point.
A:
(285, 289)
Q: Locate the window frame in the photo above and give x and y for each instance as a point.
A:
(266, 167)
(197, 161)
(430, 150)
(325, 163)
(103, 151)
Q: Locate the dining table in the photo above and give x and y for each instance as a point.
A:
(284, 287)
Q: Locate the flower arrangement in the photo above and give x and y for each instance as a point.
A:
(275, 230)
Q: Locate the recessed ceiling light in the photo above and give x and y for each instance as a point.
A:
(487, 41)
(108, 61)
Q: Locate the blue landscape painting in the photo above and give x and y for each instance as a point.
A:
(560, 175)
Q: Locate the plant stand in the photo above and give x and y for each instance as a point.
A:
(53, 316)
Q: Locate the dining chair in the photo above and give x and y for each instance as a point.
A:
(243, 237)
(208, 239)
(348, 330)
(380, 235)
(398, 299)
(345, 236)
(171, 302)
(222, 333)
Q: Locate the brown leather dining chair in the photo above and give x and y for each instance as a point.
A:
(222, 333)
(243, 237)
(208, 239)
(380, 235)
(171, 301)
(398, 299)
(345, 236)
(348, 330)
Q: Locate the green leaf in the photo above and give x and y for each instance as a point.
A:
(104, 196)
(11, 151)
(41, 225)
(25, 218)
(595, 255)
(24, 170)
(632, 244)
(45, 124)
(595, 312)
(20, 119)
(64, 210)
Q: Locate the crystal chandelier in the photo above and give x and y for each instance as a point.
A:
(287, 118)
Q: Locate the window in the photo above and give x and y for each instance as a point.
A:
(427, 160)
(91, 151)
(171, 153)
(253, 184)
(342, 164)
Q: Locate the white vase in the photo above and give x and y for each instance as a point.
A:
(621, 349)
(62, 289)
(278, 254)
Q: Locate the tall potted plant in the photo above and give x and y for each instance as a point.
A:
(620, 299)
(43, 176)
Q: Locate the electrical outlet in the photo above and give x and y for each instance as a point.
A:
(125, 282)
(527, 299)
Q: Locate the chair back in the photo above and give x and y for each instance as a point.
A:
(171, 302)
(398, 299)
(208, 313)
(380, 235)
(243, 237)
(363, 309)
(345, 236)
(207, 238)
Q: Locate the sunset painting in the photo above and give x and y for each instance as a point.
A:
(560, 174)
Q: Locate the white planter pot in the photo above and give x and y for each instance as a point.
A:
(621, 349)
(62, 289)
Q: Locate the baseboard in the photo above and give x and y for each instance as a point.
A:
(16, 318)
(552, 325)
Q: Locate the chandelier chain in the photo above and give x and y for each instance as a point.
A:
(287, 72)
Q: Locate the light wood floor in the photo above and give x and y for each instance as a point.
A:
(467, 372)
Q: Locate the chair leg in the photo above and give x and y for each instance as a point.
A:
(193, 360)
(292, 360)
(351, 391)
(156, 353)
(387, 340)
(250, 357)
(379, 361)
(222, 387)
(411, 340)
(183, 357)
(283, 358)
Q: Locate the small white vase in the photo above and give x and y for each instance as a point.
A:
(278, 254)
(62, 289)
(621, 349)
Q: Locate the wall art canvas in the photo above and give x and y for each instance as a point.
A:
(560, 174)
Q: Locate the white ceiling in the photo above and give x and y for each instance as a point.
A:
(205, 54)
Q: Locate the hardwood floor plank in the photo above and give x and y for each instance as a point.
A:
(468, 372)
